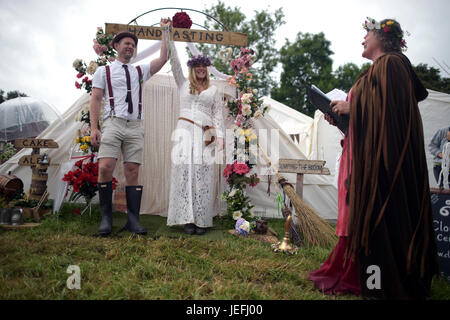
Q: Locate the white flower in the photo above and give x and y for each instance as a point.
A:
(232, 193)
(92, 67)
(251, 213)
(237, 215)
(246, 98)
(246, 109)
(257, 114)
(77, 63)
(245, 226)
(255, 91)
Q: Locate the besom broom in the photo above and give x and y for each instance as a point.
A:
(315, 230)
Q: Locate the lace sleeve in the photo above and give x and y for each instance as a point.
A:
(176, 66)
(218, 115)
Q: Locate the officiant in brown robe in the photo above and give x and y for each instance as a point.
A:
(390, 215)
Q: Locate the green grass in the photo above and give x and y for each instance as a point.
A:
(165, 264)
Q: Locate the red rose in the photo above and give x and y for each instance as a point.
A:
(240, 168)
(182, 20)
(77, 85)
(80, 75)
(227, 171)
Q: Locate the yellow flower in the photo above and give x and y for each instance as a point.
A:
(241, 132)
(247, 132)
(77, 140)
(84, 147)
(87, 139)
(390, 22)
(383, 25)
(253, 137)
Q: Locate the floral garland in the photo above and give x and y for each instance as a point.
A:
(106, 54)
(242, 110)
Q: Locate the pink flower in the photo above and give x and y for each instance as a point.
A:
(386, 29)
(77, 85)
(98, 49)
(80, 75)
(227, 171)
(241, 168)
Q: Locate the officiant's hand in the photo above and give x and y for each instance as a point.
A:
(95, 137)
(340, 107)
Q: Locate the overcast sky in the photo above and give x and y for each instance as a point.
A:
(41, 39)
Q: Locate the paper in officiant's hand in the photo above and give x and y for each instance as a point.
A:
(322, 102)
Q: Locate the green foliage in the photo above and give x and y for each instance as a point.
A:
(7, 152)
(347, 74)
(432, 79)
(10, 95)
(305, 62)
(261, 38)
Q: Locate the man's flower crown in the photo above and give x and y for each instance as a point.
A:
(372, 24)
(199, 60)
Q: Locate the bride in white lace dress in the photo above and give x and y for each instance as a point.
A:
(191, 197)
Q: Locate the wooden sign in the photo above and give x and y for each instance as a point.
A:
(35, 143)
(31, 160)
(303, 166)
(180, 34)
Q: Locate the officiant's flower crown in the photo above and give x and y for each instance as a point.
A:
(389, 26)
(199, 60)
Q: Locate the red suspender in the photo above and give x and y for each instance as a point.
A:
(111, 95)
(140, 91)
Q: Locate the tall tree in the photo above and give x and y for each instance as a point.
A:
(261, 38)
(304, 62)
(432, 79)
(10, 95)
(347, 74)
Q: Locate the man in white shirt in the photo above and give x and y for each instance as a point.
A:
(121, 85)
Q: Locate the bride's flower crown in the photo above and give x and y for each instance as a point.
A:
(199, 60)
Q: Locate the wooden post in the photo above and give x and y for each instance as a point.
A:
(39, 170)
(299, 186)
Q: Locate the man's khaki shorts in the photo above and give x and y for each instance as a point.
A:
(118, 135)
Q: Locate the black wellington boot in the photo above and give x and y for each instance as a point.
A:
(134, 195)
(105, 197)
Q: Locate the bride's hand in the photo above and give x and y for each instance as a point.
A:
(165, 23)
(220, 144)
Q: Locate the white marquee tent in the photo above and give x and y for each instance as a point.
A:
(160, 108)
(316, 140)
